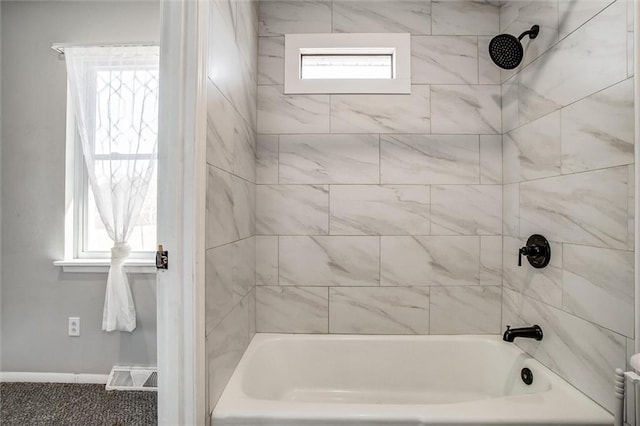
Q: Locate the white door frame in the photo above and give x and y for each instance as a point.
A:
(181, 213)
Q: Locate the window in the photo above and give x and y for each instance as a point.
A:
(347, 63)
(86, 236)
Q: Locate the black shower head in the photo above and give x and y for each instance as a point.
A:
(506, 50)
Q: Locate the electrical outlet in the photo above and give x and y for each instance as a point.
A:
(74, 326)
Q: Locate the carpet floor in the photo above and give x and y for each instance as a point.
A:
(63, 404)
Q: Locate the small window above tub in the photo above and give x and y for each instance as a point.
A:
(347, 63)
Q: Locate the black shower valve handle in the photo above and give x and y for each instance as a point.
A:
(528, 251)
(537, 250)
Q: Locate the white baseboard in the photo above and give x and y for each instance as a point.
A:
(10, 376)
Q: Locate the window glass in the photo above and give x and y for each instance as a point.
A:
(119, 93)
(347, 66)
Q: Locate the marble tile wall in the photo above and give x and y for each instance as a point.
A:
(568, 140)
(230, 296)
(381, 213)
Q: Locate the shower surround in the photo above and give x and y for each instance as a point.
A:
(382, 213)
(391, 214)
(568, 168)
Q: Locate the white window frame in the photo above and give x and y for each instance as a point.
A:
(398, 45)
(76, 259)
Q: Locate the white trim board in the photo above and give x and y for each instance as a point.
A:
(133, 266)
(182, 212)
(11, 376)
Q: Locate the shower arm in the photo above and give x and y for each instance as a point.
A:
(532, 33)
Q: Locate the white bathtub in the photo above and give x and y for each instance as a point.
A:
(315, 380)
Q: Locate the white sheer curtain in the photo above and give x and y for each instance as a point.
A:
(114, 92)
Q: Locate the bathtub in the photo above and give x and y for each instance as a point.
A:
(314, 380)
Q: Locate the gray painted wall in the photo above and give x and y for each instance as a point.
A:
(38, 297)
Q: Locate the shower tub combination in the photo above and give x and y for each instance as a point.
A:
(328, 380)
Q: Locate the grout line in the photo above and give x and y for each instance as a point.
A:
(328, 310)
(379, 159)
(329, 210)
(560, 39)
(380, 261)
(478, 59)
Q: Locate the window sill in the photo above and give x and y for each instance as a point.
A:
(134, 266)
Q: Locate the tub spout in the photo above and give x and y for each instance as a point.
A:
(534, 332)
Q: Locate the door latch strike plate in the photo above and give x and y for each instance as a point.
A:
(162, 258)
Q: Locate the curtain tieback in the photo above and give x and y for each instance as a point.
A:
(119, 252)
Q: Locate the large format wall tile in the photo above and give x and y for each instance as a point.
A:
(577, 350)
(379, 210)
(630, 394)
(230, 276)
(271, 60)
(292, 309)
(280, 113)
(574, 13)
(246, 29)
(444, 60)
(488, 71)
(292, 209)
(219, 294)
(598, 286)
(466, 210)
(430, 261)
(379, 310)
(429, 159)
(225, 346)
(631, 191)
(231, 141)
(464, 17)
(533, 150)
(230, 208)
(511, 104)
(511, 307)
(243, 270)
(376, 16)
(278, 17)
(597, 132)
(267, 159)
(266, 260)
(465, 109)
(329, 159)
(511, 210)
(588, 60)
(585, 208)
(490, 159)
(491, 260)
(465, 310)
(231, 73)
(220, 133)
(329, 261)
(541, 284)
(382, 113)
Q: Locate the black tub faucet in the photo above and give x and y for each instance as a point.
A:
(534, 332)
